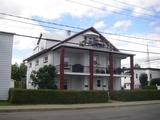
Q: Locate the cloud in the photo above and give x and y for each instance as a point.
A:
(122, 24)
(99, 25)
(139, 58)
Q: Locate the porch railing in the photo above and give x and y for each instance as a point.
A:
(78, 68)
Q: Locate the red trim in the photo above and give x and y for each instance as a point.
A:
(110, 82)
(91, 69)
(62, 68)
(132, 71)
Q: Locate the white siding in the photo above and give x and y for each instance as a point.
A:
(6, 41)
(36, 67)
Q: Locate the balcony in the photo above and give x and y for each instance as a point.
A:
(78, 69)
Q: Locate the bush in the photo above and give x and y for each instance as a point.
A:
(150, 87)
(143, 79)
(155, 81)
(135, 95)
(23, 96)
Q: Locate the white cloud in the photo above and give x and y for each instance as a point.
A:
(16, 60)
(140, 58)
(99, 25)
(122, 24)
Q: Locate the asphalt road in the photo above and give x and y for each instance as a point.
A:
(145, 112)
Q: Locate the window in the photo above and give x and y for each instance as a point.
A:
(66, 62)
(45, 59)
(30, 64)
(95, 60)
(136, 75)
(150, 76)
(37, 62)
(98, 83)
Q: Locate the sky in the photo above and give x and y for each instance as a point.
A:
(138, 18)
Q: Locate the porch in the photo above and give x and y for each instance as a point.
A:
(81, 82)
(91, 63)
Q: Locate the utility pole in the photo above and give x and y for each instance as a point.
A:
(148, 58)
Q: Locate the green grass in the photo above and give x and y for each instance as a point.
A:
(4, 103)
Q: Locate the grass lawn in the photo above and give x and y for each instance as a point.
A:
(4, 103)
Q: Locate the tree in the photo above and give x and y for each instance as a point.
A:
(137, 66)
(155, 81)
(15, 72)
(143, 79)
(18, 72)
(44, 78)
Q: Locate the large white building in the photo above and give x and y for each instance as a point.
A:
(6, 41)
(84, 61)
(151, 73)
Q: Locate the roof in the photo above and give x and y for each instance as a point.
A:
(4, 32)
(69, 38)
(157, 69)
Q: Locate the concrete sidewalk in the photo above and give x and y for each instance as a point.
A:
(18, 108)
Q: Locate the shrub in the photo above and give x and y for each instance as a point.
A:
(135, 95)
(150, 87)
(143, 79)
(155, 81)
(23, 96)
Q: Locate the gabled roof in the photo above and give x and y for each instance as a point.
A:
(94, 30)
(69, 38)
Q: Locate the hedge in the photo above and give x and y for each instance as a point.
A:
(150, 87)
(23, 96)
(135, 95)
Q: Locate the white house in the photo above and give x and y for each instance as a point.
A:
(6, 41)
(151, 73)
(84, 61)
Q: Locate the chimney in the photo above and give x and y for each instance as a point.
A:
(68, 32)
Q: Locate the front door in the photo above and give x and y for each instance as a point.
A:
(99, 84)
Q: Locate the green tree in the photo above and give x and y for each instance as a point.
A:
(44, 78)
(18, 72)
(137, 66)
(143, 78)
(155, 81)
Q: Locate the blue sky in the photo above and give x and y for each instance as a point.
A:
(73, 14)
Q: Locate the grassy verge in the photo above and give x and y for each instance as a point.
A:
(4, 103)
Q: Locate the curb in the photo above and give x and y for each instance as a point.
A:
(97, 106)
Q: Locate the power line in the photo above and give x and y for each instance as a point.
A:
(77, 32)
(101, 9)
(127, 36)
(22, 35)
(36, 24)
(128, 10)
(137, 6)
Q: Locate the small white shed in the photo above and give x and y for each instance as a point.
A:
(6, 43)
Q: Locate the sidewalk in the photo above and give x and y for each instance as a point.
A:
(18, 108)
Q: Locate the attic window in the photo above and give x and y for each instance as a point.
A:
(45, 60)
(37, 62)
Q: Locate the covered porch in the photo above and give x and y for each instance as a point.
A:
(108, 70)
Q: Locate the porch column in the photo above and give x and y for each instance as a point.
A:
(91, 70)
(132, 72)
(110, 82)
(62, 68)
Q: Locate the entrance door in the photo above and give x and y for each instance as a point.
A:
(99, 84)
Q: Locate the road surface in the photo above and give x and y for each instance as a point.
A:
(142, 112)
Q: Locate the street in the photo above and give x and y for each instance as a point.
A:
(142, 112)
